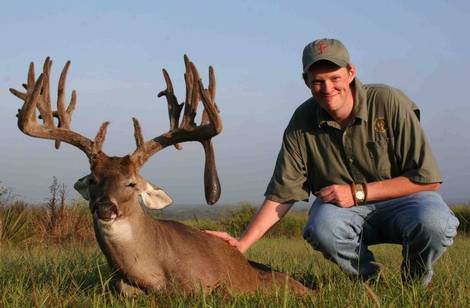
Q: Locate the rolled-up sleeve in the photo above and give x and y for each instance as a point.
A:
(289, 181)
(414, 153)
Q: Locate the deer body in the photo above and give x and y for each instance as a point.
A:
(171, 255)
(145, 253)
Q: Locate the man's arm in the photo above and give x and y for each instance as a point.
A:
(268, 215)
(397, 187)
(400, 186)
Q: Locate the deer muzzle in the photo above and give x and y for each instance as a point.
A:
(105, 210)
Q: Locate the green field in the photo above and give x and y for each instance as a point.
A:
(57, 272)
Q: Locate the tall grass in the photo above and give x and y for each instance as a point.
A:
(14, 223)
(21, 223)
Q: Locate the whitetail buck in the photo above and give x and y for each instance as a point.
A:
(146, 253)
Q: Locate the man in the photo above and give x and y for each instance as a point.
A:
(361, 150)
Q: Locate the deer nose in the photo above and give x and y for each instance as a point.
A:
(105, 209)
(103, 199)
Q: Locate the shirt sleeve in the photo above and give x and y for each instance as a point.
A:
(414, 156)
(289, 181)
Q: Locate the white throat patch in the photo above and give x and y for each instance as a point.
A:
(119, 230)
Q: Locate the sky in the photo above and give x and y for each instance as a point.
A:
(118, 49)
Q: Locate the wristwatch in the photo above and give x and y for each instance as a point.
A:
(360, 193)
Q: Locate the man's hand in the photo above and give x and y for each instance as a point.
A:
(226, 237)
(341, 195)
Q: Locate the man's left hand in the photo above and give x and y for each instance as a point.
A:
(339, 194)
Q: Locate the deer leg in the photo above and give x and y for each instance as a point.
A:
(125, 289)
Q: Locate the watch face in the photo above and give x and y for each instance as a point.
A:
(360, 195)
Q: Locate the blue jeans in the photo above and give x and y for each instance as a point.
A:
(422, 223)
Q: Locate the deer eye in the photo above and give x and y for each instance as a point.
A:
(131, 184)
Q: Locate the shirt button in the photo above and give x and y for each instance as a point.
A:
(351, 160)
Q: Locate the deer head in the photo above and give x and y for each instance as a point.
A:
(114, 186)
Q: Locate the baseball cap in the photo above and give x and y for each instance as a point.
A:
(325, 49)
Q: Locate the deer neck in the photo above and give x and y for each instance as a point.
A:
(126, 230)
(128, 240)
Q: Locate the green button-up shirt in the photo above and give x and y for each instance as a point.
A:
(384, 141)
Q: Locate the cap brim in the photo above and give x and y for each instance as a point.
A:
(339, 62)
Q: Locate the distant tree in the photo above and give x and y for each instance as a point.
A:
(56, 204)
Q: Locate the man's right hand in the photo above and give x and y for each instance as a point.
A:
(269, 213)
(226, 237)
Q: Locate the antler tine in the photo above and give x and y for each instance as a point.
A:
(174, 109)
(66, 119)
(211, 179)
(28, 86)
(191, 78)
(38, 96)
(18, 94)
(26, 116)
(72, 104)
(44, 104)
(210, 108)
(212, 84)
(100, 137)
(196, 95)
(139, 137)
(61, 93)
(31, 77)
(62, 114)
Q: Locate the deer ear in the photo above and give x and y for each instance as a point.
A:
(82, 186)
(154, 198)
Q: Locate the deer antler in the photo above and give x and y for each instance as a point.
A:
(210, 126)
(37, 95)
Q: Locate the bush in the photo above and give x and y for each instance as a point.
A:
(237, 220)
(290, 226)
(204, 224)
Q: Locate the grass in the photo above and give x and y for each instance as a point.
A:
(41, 266)
(71, 275)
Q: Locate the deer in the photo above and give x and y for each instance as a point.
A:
(144, 253)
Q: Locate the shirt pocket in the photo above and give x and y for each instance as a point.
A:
(381, 155)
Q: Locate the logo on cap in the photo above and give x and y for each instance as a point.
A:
(322, 47)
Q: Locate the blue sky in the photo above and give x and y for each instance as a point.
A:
(118, 49)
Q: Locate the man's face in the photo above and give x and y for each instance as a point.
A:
(330, 85)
